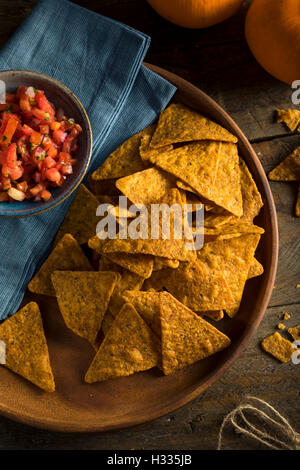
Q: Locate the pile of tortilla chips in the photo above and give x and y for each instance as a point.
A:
(150, 301)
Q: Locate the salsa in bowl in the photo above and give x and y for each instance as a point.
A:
(45, 143)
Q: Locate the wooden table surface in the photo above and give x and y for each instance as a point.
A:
(218, 61)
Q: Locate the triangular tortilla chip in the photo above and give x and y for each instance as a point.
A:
(147, 305)
(231, 258)
(80, 220)
(178, 123)
(291, 118)
(278, 347)
(256, 269)
(227, 187)
(217, 218)
(288, 169)
(103, 187)
(83, 299)
(186, 337)
(137, 263)
(147, 186)
(66, 256)
(297, 207)
(195, 164)
(252, 201)
(128, 281)
(146, 151)
(167, 245)
(125, 160)
(26, 347)
(197, 287)
(129, 347)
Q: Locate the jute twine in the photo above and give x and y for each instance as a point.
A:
(270, 429)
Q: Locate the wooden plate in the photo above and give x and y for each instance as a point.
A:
(76, 406)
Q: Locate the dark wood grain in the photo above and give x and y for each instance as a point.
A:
(218, 61)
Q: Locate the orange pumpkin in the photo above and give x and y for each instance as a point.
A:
(273, 35)
(195, 13)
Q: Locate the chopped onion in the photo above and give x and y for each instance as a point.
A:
(30, 92)
(16, 194)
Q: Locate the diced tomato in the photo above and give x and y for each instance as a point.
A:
(44, 129)
(9, 131)
(55, 125)
(10, 97)
(35, 138)
(11, 156)
(53, 175)
(50, 162)
(45, 195)
(23, 186)
(43, 116)
(16, 173)
(25, 104)
(27, 129)
(44, 104)
(59, 136)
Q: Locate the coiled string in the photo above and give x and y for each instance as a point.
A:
(276, 432)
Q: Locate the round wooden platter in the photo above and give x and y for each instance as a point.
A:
(76, 406)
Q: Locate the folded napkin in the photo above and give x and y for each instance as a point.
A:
(100, 60)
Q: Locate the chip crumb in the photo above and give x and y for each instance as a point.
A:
(278, 347)
(281, 326)
(295, 332)
(286, 316)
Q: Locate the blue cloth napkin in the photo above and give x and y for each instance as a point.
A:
(100, 60)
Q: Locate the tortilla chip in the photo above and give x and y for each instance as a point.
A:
(288, 169)
(198, 288)
(124, 161)
(195, 164)
(83, 299)
(103, 187)
(297, 207)
(178, 123)
(186, 337)
(235, 228)
(281, 326)
(227, 186)
(278, 347)
(218, 217)
(157, 280)
(129, 347)
(252, 201)
(66, 256)
(192, 197)
(147, 305)
(108, 320)
(80, 220)
(295, 332)
(137, 263)
(163, 263)
(146, 151)
(171, 248)
(230, 258)
(256, 269)
(26, 347)
(146, 187)
(127, 281)
(215, 315)
(291, 118)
